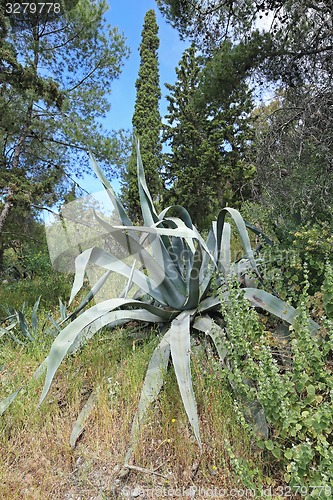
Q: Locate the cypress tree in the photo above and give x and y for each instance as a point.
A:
(206, 169)
(146, 121)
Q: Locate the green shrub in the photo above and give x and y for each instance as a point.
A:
(282, 263)
(290, 377)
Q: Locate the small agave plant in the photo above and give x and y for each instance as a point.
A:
(181, 283)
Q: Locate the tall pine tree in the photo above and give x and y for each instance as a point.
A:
(146, 121)
(206, 168)
(55, 78)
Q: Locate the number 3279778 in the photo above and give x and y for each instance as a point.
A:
(15, 8)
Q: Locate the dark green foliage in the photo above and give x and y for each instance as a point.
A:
(146, 120)
(295, 48)
(27, 273)
(208, 136)
(328, 290)
(294, 138)
(298, 250)
(291, 377)
(47, 123)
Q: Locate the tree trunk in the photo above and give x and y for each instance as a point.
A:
(6, 209)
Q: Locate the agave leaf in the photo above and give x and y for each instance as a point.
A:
(259, 419)
(208, 304)
(147, 206)
(130, 281)
(165, 291)
(34, 317)
(258, 232)
(8, 401)
(83, 415)
(182, 232)
(151, 387)
(107, 186)
(11, 335)
(209, 327)
(107, 261)
(211, 241)
(6, 329)
(24, 326)
(56, 325)
(176, 223)
(112, 319)
(41, 369)
(180, 352)
(240, 224)
(225, 249)
(179, 249)
(182, 213)
(276, 306)
(182, 219)
(194, 283)
(95, 289)
(210, 258)
(101, 312)
(63, 310)
(158, 264)
(239, 268)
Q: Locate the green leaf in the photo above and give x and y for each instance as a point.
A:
(180, 352)
(96, 317)
(8, 401)
(276, 306)
(34, 318)
(269, 445)
(110, 192)
(207, 325)
(276, 452)
(147, 206)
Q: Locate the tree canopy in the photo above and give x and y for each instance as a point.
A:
(208, 136)
(295, 46)
(55, 82)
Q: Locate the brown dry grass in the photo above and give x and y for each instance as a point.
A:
(36, 459)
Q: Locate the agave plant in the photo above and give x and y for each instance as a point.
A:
(17, 318)
(181, 282)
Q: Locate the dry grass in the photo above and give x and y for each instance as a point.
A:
(36, 459)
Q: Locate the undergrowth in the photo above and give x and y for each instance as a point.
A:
(291, 378)
(38, 461)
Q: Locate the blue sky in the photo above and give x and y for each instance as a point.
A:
(128, 16)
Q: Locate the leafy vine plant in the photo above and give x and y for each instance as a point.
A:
(180, 283)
